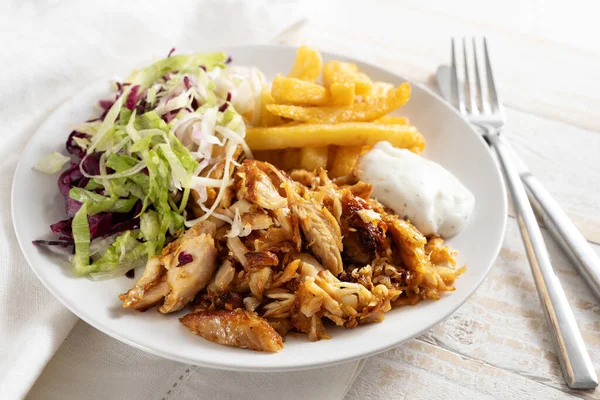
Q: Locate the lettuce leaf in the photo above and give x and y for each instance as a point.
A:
(89, 128)
(181, 63)
(123, 162)
(125, 249)
(180, 177)
(52, 163)
(81, 237)
(97, 203)
(150, 120)
(107, 127)
(150, 228)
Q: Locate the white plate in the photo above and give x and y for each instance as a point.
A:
(37, 203)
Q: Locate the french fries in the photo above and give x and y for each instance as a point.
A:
(342, 134)
(380, 89)
(312, 158)
(308, 125)
(343, 72)
(266, 117)
(369, 110)
(345, 161)
(294, 91)
(342, 94)
(308, 65)
(392, 120)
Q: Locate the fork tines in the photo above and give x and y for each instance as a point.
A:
(479, 97)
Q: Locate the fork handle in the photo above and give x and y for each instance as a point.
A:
(574, 359)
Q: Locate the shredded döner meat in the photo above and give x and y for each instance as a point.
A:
(307, 253)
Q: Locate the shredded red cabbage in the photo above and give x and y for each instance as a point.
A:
(106, 104)
(184, 258)
(60, 243)
(171, 52)
(71, 178)
(101, 224)
(169, 116)
(73, 147)
(223, 107)
(91, 164)
(186, 82)
(129, 222)
(71, 207)
(132, 99)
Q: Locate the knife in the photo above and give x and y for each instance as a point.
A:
(560, 226)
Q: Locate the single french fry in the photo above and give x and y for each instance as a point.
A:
(392, 120)
(363, 84)
(337, 71)
(312, 158)
(369, 110)
(380, 89)
(297, 92)
(266, 117)
(343, 134)
(343, 72)
(345, 160)
(308, 65)
(342, 94)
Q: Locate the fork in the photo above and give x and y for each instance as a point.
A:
(484, 110)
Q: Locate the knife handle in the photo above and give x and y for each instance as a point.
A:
(574, 359)
(575, 246)
(572, 242)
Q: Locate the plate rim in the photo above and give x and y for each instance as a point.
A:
(257, 368)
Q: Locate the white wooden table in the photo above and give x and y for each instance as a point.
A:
(546, 57)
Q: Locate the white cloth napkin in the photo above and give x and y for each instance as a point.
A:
(50, 50)
(98, 367)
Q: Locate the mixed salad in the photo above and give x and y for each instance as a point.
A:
(131, 170)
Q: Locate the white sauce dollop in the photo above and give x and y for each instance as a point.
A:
(433, 199)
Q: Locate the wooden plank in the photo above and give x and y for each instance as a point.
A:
(531, 71)
(565, 159)
(529, 18)
(503, 323)
(420, 370)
